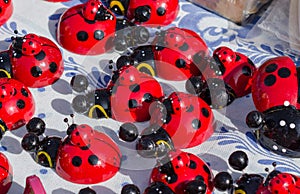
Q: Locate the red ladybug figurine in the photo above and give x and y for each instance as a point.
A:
(33, 60)
(225, 76)
(6, 10)
(175, 50)
(187, 119)
(148, 13)
(6, 174)
(274, 182)
(183, 172)
(17, 104)
(272, 79)
(84, 156)
(87, 29)
(127, 97)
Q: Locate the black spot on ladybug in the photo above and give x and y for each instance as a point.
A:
(30, 42)
(271, 68)
(246, 71)
(270, 80)
(20, 104)
(98, 34)
(206, 169)
(196, 123)
(180, 63)
(190, 109)
(76, 161)
(193, 164)
(0, 104)
(184, 47)
(77, 133)
(178, 157)
(134, 87)
(36, 71)
(199, 177)
(24, 92)
(237, 58)
(40, 56)
(132, 103)
(82, 36)
(205, 112)
(93, 160)
(284, 72)
(53, 67)
(14, 92)
(161, 11)
(0, 9)
(147, 97)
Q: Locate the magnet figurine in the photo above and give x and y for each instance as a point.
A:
(84, 156)
(33, 60)
(17, 104)
(6, 7)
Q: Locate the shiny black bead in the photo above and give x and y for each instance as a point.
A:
(196, 187)
(238, 160)
(128, 132)
(223, 181)
(79, 83)
(36, 125)
(130, 189)
(30, 142)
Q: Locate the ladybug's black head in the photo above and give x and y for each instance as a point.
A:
(158, 187)
(103, 14)
(142, 13)
(71, 128)
(154, 142)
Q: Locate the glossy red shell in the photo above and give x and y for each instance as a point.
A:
(238, 70)
(171, 9)
(186, 167)
(6, 11)
(81, 36)
(129, 99)
(37, 70)
(17, 103)
(96, 161)
(275, 83)
(178, 54)
(6, 174)
(191, 123)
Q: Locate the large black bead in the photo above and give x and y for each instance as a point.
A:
(223, 181)
(128, 132)
(130, 189)
(36, 125)
(238, 160)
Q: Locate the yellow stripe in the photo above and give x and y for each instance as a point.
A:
(47, 156)
(239, 191)
(119, 5)
(147, 66)
(6, 73)
(163, 142)
(100, 108)
(2, 128)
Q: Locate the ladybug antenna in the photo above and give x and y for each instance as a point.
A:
(66, 120)
(274, 164)
(267, 170)
(110, 64)
(72, 116)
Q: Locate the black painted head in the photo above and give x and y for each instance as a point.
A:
(248, 183)
(154, 142)
(158, 188)
(142, 13)
(279, 129)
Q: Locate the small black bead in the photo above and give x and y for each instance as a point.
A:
(223, 181)
(36, 125)
(238, 160)
(130, 189)
(128, 132)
